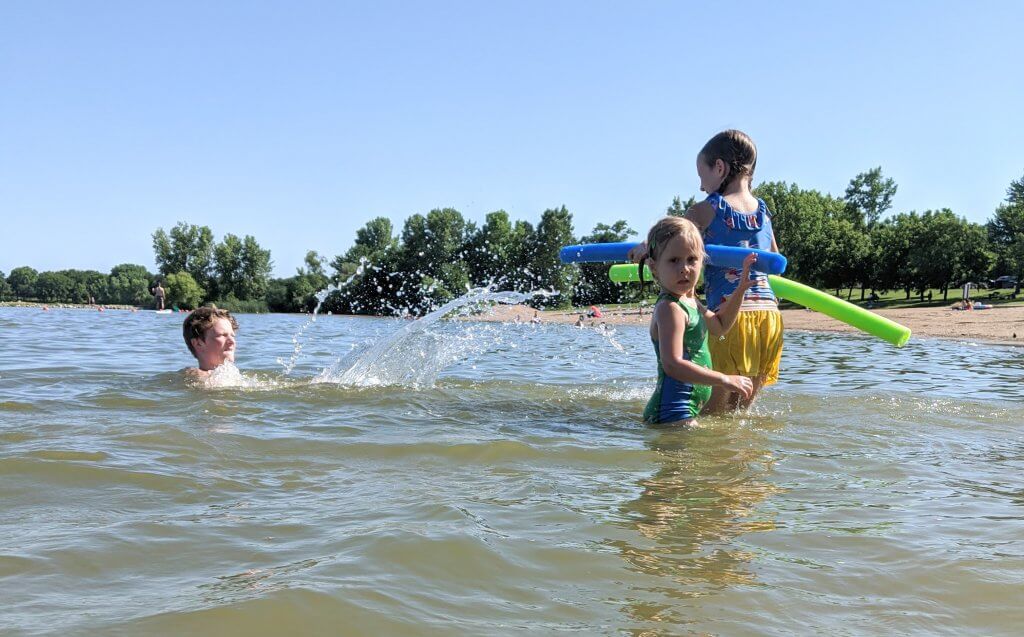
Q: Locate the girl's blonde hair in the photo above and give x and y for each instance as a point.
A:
(663, 231)
(736, 150)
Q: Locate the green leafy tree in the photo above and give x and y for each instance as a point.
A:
(372, 271)
(553, 232)
(301, 290)
(372, 239)
(298, 293)
(373, 242)
(868, 196)
(86, 286)
(227, 267)
(445, 255)
(242, 268)
(521, 255)
(129, 284)
(678, 207)
(54, 287)
(431, 267)
(23, 282)
(894, 240)
(278, 298)
(314, 265)
(188, 248)
(799, 221)
(1015, 193)
(1006, 234)
(949, 251)
(183, 291)
(5, 288)
(489, 249)
(974, 256)
(255, 268)
(843, 249)
(593, 285)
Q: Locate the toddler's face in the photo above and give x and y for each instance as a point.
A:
(678, 266)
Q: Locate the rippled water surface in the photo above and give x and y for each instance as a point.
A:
(504, 485)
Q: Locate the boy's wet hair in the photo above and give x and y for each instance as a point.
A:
(200, 320)
(736, 150)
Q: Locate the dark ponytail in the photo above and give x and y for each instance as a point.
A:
(736, 150)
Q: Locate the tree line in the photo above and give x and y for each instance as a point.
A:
(833, 243)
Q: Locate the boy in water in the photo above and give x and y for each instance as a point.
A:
(210, 335)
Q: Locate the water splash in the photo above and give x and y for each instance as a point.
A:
(415, 354)
(228, 375)
(609, 335)
(321, 296)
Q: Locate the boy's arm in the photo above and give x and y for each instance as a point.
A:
(722, 321)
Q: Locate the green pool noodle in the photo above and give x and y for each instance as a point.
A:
(628, 273)
(809, 297)
(840, 310)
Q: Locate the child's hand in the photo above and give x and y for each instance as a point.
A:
(639, 252)
(740, 384)
(745, 281)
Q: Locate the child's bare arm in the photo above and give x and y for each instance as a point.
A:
(701, 214)
(721, 322)
(670, 320)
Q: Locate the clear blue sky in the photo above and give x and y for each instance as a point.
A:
(297, 122)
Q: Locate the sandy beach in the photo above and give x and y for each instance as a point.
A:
(998, 324)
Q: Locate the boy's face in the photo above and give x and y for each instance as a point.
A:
(217, 345)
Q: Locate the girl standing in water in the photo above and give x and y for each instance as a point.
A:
(680, 325)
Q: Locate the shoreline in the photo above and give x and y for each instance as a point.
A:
(998, 325)
(70, 306)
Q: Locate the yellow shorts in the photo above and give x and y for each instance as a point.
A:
(753, 347)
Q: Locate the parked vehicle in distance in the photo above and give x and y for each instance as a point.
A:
(1005, 281)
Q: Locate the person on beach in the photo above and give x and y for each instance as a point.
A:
(680, 325)
(160, 294)
(732, 216)
(209, 333)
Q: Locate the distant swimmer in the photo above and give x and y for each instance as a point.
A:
(210, 335)
(160, 295)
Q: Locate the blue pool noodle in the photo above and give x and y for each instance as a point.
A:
(718, 256)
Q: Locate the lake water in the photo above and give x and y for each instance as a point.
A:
(505, 486)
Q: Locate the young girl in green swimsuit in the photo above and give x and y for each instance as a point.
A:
(680, 325)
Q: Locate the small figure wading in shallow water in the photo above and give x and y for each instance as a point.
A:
(209, 333)
(680, 325)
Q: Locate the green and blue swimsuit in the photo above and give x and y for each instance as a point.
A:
(674, 400)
